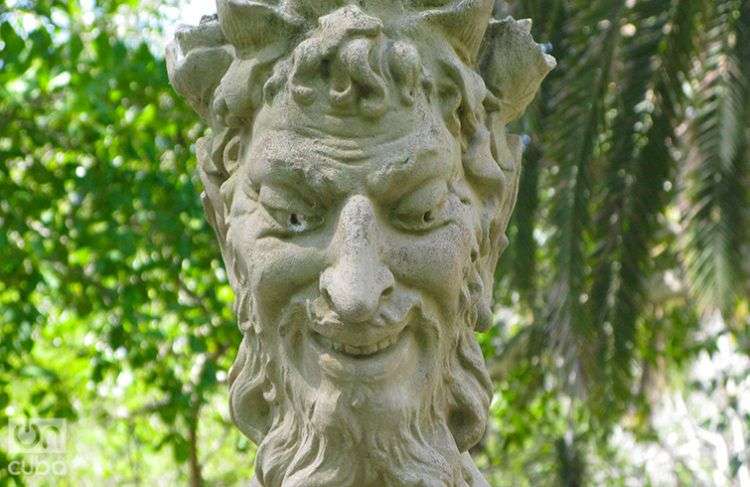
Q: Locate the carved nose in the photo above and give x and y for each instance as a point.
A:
(355, 295)
(357, 281)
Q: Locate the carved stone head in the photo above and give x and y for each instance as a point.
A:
(360, 180)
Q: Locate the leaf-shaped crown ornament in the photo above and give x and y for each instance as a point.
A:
(513, 65)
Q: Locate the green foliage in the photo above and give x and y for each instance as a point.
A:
(717, 162)
(630, 229)
(107, 267)
(637, 200)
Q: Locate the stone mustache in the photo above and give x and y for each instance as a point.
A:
(360, 179)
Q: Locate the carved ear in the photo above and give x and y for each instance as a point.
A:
(507, 150)
(212, 178)
(513, 65)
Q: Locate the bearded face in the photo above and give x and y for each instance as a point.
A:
(357, 251)
(360, 181)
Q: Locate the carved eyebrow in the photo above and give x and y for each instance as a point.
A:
(402, 176)
(281, 197)
(294, 179)
(424, 197)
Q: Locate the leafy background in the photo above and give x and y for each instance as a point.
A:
(621, 354)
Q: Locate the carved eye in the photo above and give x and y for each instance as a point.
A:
(422, 210)
(420, 222)
(294, 221)
(289, 213)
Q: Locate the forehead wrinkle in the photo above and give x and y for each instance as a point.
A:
(339, 152)
(346, 128)
(299, 143)
(386, 166)
(354, 151)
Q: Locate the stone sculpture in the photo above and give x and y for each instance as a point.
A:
(360, 179)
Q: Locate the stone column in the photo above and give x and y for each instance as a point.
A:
(360, 179)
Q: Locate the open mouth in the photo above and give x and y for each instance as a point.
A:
(358, 351)
(372, 362)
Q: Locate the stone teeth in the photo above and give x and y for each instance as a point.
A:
(359, 350)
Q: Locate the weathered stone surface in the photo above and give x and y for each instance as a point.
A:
(360, 180)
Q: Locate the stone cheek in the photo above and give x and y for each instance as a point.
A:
(359, 179)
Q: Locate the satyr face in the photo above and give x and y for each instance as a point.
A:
(361, 233)
(353, 240)
(360, 181)
(355, 246)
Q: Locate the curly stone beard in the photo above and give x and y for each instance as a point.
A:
(321, 437)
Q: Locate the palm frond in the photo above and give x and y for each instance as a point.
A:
(639, 165)
(715, 194)
(522, 256)
(574, 143)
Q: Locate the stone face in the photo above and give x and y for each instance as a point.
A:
(360, 180)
